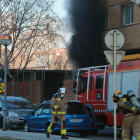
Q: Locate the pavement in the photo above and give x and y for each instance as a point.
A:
(31, 135)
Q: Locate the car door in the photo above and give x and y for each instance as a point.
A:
(44, 117)
(1, 112)
(33, 120)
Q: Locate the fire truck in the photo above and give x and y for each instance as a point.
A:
(95, 88)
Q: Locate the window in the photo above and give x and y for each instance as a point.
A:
(17, 102)
(99, 82)
(91, 86)
(83, 84)
(46, 109)
(128, 15)
(38, 110)
(1, 105)
(76, 108)
(103, 19)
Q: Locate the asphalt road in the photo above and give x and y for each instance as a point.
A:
(106, 134)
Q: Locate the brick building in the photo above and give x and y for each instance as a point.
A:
(39, 85)
(122, 15)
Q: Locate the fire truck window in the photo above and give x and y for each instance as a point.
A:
(83, 84)
(99, 82)
(91, 86)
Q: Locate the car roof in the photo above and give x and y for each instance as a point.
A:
(14, 97)
(73, 101)
(69, 101)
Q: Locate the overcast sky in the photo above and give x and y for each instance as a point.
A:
(60, 8)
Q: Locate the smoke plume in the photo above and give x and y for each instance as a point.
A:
(86, 49)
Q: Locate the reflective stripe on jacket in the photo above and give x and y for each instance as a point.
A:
(56, 103)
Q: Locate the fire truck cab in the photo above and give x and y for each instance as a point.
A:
(95, 87)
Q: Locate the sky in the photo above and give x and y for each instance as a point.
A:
(60, 8)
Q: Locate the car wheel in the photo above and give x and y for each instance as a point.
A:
(83, 133)
(26, 127)
(47, 125)
(132, 137)
(94, 132)
(1, 123)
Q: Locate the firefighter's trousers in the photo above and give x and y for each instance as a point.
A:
(131, 121)
(54, 123)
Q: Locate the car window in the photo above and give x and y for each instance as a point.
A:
(46, 109)
(38, 110)
(1, 104)
(18, 102)
(76, 108)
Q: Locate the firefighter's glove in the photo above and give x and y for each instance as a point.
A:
(56, 118)
(60, 107)
(138, 111)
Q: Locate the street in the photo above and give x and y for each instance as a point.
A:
(106, 134)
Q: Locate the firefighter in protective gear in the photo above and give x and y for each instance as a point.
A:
(59, 106)
(131, 115)
(116, 96)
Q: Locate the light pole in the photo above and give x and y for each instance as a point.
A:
(5, 40)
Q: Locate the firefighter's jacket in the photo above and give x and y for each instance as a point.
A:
(56, 102)
(126, 106)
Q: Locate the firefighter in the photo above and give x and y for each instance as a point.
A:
(129, 105)
(59, 106)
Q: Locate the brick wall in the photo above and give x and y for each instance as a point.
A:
(69, 87)
(22, 88)
(115, 21)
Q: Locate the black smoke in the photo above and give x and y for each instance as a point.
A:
(86, 49)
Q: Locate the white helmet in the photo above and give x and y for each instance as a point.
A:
(62, 90)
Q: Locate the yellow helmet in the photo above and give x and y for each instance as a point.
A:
(116, 96)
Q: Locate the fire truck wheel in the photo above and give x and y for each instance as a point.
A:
(83, 133)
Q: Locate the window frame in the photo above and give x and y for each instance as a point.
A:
(91, 82)
(131, 14)
(41, 106)
(49, 107)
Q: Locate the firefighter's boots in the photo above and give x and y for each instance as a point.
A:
(48, 134)
(64, 136)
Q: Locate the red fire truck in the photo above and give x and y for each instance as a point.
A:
(95, 87)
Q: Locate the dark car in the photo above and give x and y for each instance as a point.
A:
(77, 117)
(17, 109)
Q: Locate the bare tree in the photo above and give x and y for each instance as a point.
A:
(32, 25)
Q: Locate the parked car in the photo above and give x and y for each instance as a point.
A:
(17, 109)
(77, 117)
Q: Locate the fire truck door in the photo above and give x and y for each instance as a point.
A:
(99, 87)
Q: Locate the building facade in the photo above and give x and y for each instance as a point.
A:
(122, 15)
